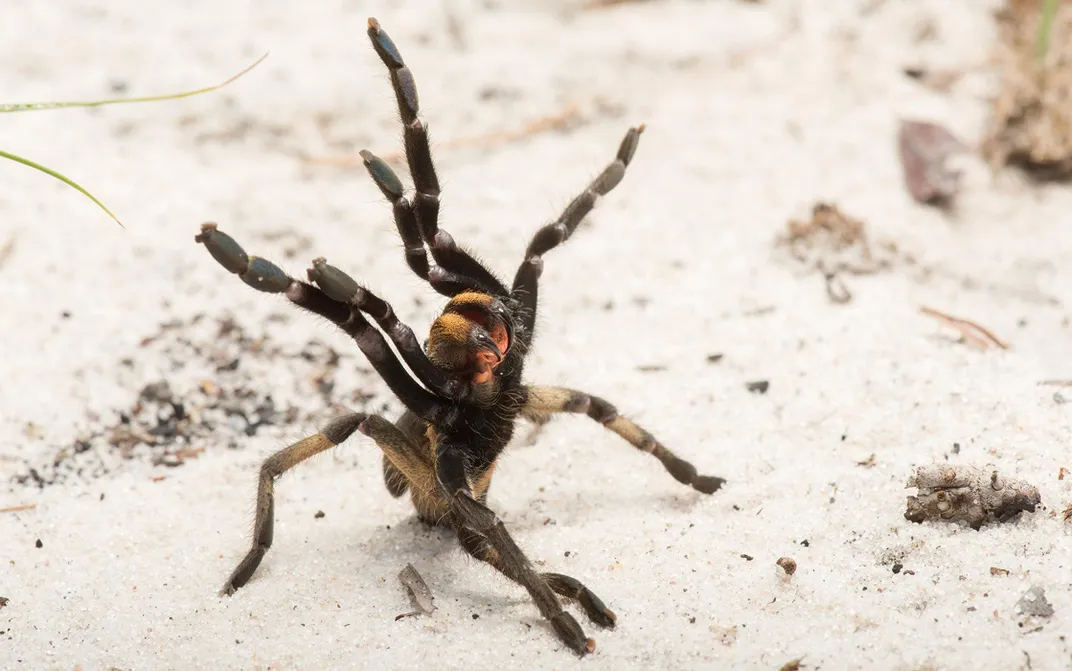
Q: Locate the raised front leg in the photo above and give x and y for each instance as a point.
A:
(265, 276)
(541, 402)
(458, 271)
(526, 281)
(341, 287)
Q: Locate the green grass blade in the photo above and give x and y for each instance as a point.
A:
(1049, 13)
(35, 107)
(66, 180)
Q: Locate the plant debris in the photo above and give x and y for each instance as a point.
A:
(787, 564)
(967, 494)
(970, 332)
(925, 150)
(4, 601)
(994, 570)
(15, 509)
(758, 387)
(793, 665)
(1034, 604)
(1031, 124)
(419, 593)
(833, 244)
(212, 391)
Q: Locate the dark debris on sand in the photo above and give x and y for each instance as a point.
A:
(204, 385)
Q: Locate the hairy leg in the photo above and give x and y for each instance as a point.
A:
(526, 281)
(419, 220)
(405, 458)
(265, 276)
(563, 585)
(276, 465)
(341, 287)
(467, 513)
(542, 402)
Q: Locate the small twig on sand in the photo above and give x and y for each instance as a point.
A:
(969, 330)
(1056, 383)
(600, 4)
(6, 249)
(15, 509)
(561, 120)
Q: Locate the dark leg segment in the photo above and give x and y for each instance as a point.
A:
(341, 287)
(544, 401)
(457, 263)
(469, 515)
(526, 280)
(477, 546)
(276, 465)
(266, 276)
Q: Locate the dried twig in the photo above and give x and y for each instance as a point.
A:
(6, 250)
(15, 509)
(1056, 383)
(969, 330)
(568, 117)
(601, 4)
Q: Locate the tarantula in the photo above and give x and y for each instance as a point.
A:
(462, 407)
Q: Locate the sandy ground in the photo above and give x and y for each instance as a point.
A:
(755, 111)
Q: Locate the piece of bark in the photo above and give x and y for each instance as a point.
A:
(925, 150)
(967, 494)
(419, 593)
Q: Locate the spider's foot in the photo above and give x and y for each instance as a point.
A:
(572, 635)
(574, 589)
(258, 273)
(708, 484)
(596, 610)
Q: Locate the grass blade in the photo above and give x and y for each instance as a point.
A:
(66, 180)
(1049, 13)
(36, 107)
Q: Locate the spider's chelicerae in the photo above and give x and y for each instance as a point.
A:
(467, 395)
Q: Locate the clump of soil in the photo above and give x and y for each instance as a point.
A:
(218, 386)
(1032, 119)
(967, 494)
(833, 244)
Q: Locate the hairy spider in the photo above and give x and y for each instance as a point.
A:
(462, 407)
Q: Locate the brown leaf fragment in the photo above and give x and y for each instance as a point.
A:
(967, 494)
(994, 570)
(925, 149)
(419, 593)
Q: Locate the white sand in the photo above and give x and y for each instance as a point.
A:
(754, 112)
